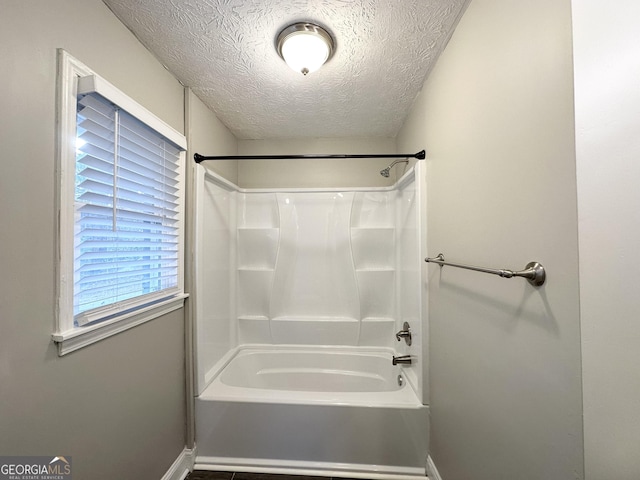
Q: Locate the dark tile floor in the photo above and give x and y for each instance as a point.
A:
(204, 475)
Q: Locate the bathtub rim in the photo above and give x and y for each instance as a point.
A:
(324, 469)
(216, 390)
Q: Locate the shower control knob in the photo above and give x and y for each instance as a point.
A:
(405, 333)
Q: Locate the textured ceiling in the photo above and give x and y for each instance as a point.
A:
(224, 50)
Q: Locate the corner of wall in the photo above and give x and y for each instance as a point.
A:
(207, 135)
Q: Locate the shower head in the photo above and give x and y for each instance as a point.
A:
(385, 171)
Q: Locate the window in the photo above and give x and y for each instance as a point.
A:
(126, 211)
(121, 210)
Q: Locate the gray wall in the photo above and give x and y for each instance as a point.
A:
(496, 118)
(607, 68)
(116, 407)
(316, 173)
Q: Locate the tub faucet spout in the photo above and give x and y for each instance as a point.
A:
(402, 360)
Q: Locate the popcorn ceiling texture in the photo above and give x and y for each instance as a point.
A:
(225, 51)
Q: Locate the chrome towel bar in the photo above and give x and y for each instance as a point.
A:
(533, 272)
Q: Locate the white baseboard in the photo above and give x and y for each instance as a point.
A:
(432, 471)
(182, 466)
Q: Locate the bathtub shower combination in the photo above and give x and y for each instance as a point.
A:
(301, 302)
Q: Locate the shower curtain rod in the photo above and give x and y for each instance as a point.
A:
(199, 158)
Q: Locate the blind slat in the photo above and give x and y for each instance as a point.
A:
(97, 104)
(96, 199)
(123, 214)
(152, 210)
(88, 295)
(92, 129)
(142, 199)
(139, 131)
(145, 171)
(124, 264)
(97, 152)
(102, 221)
(97, 175)
(122, 274)
(96, 163)
(124, 256)
(124, 245)
(136, 162)
(154, 153)
(126, 236)
(146, 189)
(96, 187)
(145, 180)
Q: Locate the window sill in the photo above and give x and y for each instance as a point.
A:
(72, 340)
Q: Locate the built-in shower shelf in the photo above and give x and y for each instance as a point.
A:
(253, 318)
(382, 228)
(259, 227)
(373, 226)
(379, 319)
(377, 331)
(312, 319)
(375, 269)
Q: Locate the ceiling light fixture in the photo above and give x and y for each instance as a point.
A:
(305, 46)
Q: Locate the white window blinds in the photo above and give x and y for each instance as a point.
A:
(126, 239)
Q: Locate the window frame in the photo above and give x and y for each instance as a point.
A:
(75, 78)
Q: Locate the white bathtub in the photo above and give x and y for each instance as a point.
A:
(319, 410)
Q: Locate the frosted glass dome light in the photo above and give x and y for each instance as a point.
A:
(305, 47)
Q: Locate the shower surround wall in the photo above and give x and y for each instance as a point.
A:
(298, 281)
(335, 269)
